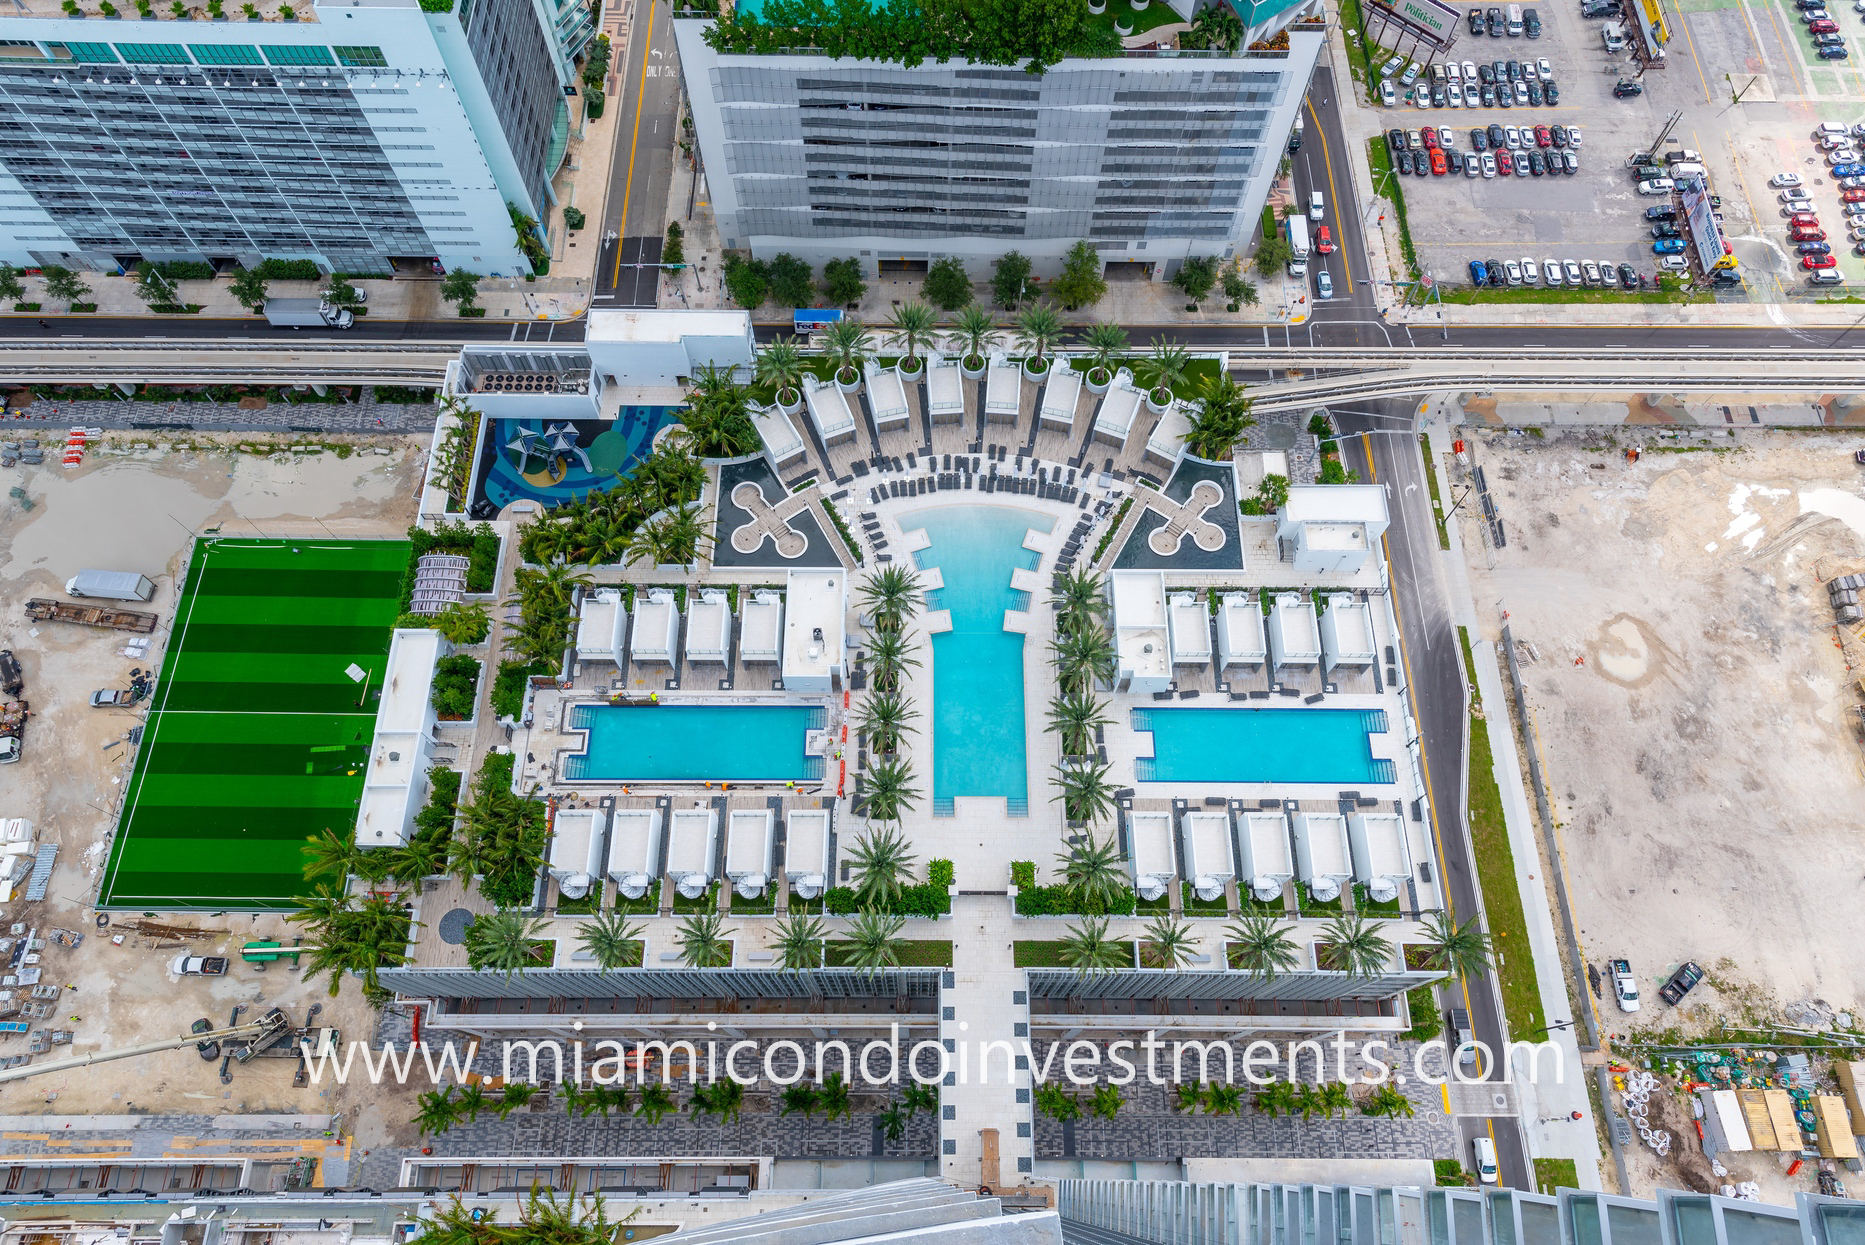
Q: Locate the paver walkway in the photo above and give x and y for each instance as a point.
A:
(985, 1000)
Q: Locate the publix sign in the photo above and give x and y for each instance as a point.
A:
(1438, 20)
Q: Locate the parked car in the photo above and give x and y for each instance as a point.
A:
(1505, 165)
(1624, 984)
(1852, 196)
(1814, 17)
(1395, 141)
(1403, 163)
(1537, 164)
(1667, 246)
(1664, 229)
(1811, 262)
(12, 679)
(1455, 93)
(1815, 248)
(1391, 66)
(1673, 263)
(1475, 17)
(1479, 273)
(1411, 73)
(1533, 89)
(1795, 195)
(1439, 166)
(1479, 139)
(1830, 39)
(1455, 159)
(1780, 180)
(1663, 211)
(1551, 92)
(1823, 277)
(1628, 278)
(1445, 139)
(1626, 90)
(1571, 161)
(1544, 137)
(1388, 94)
(1551, 269)
(1530, 272)
(1573, 134)
(1803, 215)
(1589, 272)
(1512, 271)
(185, 965)
(1470, 71)
(1682, 982)
(1489, 164)
(111, 698)
(1831, 53)
(1806, 233)
(1415, 140)
(1571, 271)
(1512, 137)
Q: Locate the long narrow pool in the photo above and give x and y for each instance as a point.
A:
(977, 666)
(687, 743)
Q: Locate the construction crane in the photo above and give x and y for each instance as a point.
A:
(264, 1027)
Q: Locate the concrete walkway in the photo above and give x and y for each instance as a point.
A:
(986, 1000)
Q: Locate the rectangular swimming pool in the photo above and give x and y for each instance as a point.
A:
(1262, 745)
(691, 743)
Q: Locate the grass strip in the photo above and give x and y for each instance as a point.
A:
(1502, 895)
(1386, 182)
(1437, 503)
(1552, 1175)
(1038, 954)
(913, 953)
(1668, 292)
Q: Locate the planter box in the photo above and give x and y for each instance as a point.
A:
(970, 373)
(1037, 373)
(1095, 386)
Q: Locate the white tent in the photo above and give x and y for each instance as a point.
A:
(634, 850)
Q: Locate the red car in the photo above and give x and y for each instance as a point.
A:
(1324, 241)
(1852, 196)
(1806, 233)
(1818, 261)
(1439, 165)
(1504, 165)
(1825, 26)
(1803, 218)
(1544, 137)
(1431, 138)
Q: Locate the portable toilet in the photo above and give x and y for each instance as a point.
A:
(1149, 839)
(1208, 856)
(806, 852)
(1322, 860)
(1267, 862)
(751, 845)
(576, 850)
(1381, 860)
(692, 853)
(634, 850)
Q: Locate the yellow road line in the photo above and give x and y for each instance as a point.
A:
(634, 144)
(1340, 242)
(1692, 41)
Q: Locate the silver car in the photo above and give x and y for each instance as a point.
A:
(1572, 269)
(1489, 164)
(1551, 268)
(1589, 272)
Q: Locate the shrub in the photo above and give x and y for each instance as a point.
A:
(792, 282)
(939, 873)
(673, 252)
(1023, 874)
(456, 685)
(748, 281)
(573, 218)
(948, 286)
(435, 820)
(289, 270)
(508, 687)
(479, 543)
(1061, 901)
(925, 900)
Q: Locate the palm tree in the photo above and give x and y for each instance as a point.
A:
(656, 1101)
(888, 594)
(834, 1096)
(1080, 600)
(1461, 949)
(801, 1098)
(1083, 659)
(891, 657)
(1076, 716)
(1263, 945)
(1105, 343)
(1276, 1098)
(893, 1122)
(721, 1098)
(1168, 943)
(917, 1097)
(800, 941)
(1388, 1100)
(1189, 1097)
(1167, 363)
(503, 941)
(1086, 793)
(880, 860)
(873, 940)
(330, 854)
(780, 365)
(612, 941)
(473, 1100)
(890, 790)
(703, 944)
(1106, 1103)
(1334, 1097)
(1219, 424)
(1223, 1100)
(1086, 948)
(913, 323)
(517, 1094)
(1094, 873)
(975, 331)
(423, 857)
(1039, 328)
(885, 718)
(438, 1112)
(847, 344)
(1358, 946)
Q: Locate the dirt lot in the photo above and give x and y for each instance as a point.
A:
(1696, 717)
(135, 509)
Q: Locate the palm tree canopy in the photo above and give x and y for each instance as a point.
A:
(1086, 794)
(1263, 944)
(1462, 949)
(1076, 716)
(1105, 342)
(848, 343)
(611, 940)
(976, 330)
(873, 940)
(890, 789)
(799, 941)
(1080, 599)
(1094, 872)
(1168, 942)
(1357, 945)
(1167, 363)
(1086, 948)
(502, 940)
(881, 861)
(1083, 658)
(1039, 328)
(703, 940)
(913, 323)
(1219, 424)
(780, 364)
(888, 594)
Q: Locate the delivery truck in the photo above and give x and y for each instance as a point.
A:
(1298, 246)
(111, 585)
(306, 313)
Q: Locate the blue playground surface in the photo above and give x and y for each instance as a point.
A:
(555, 461)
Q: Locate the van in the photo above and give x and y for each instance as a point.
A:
(1686, 169)
(1657, 186)
(1515, 21)
(1830, 127)
(1314, 206)
(1531, 23)
(1485, 1151)
(1613, 35)
(1685, 155)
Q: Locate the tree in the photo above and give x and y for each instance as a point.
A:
(354, 934)
(1239, 288)
(894, 1122)
(1080, 600)
(1106, 1102)
(947, 285)
(1264, 945)
(703, 941)
(1461, 949)
(12, 289)
(873, 940)
(473, 1100)
(888, 650)
(611, 941)
(1081, 283)
(841, 280)
(1219, 423)
(1215, 27)
(1086, 948)
(1010, 280)
(890, 790)
(673, 250)
(793, 282)
(801, 1098)
(1086, 794)
(1094, 871)
(656, 1101)
(885, 718)
(341, 293)
(912, 324)
(1388, 1100)
(1272, 253)
(1082, 658)
(501, 838)
(517, 1094)
(1168, 943)
(880, 861)
(153, 286)
(1039, 329)
(461, 287)
(717, 418)
(748, 281)
(721, 1098)
(917, 1097)
(800, 941)
(438, 1112)
(419, 858)
(1357, 946)
(63, 284)
(974, 332)
(1276, 1098)
(1056, 1102)
(888, 594)
(330, 855)
(1167, 363)
(847, 344)
(503, 941)
(1075, 716)
(780, 365)
(834, 1096)
(1105, 343)
(1196, 276)
(1223, 1099)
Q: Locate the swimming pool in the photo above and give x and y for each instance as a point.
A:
(977, 666)
(1262, 745)
(734, 743)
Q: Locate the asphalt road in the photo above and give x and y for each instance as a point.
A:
(1388, 453)
(648, 95)
(1351, 316)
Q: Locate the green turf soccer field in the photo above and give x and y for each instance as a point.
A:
(257, 737)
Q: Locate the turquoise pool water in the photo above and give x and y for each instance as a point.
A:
(1262, 745)
(736, 743)
(977, 666)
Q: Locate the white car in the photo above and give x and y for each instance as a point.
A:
(1511, 138)
(1473, 167)
(1455, 71)
(1551, 271)
(1470, 74)
(1674, 263)
(1544, 69)
(1521, 164)
(1445, 140)
(1845, 155)
(1391, 67)
(1573, 136)
(1857, 232)
(1782, 180)
(1591, 272)
(1624, 984)
(1530, 273)
(1388, 94)
(1571, 270)
(1489, 165)
(1324, 284)
(1486, 1170)
(1830, 142)
(1421, 97)
(1513, 271)
(1454, 95)
(1796, 195)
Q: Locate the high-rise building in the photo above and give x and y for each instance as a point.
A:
(1150, 155)
(363, 134)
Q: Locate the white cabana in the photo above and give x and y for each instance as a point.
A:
(1120, 406)
(1240, 639)
(760, 627)
(945, 391)
(1347, 632)
(1060, 396)
(692, 850)
(751, 843)
(1154, 863)
(1267, 862)
(1167, 438)
(576, 849)
(657, 627)
(1322, 860)
(806, 851)
(1003, 390)
(782, 441)
(709, 628)
(601, 627)
(887, 397)
(634, 850)
(828, 410)
(1382, 861)
(1208, 856)
(1190, 621)
(1294, 635)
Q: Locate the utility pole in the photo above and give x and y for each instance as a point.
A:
(1670, 123)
